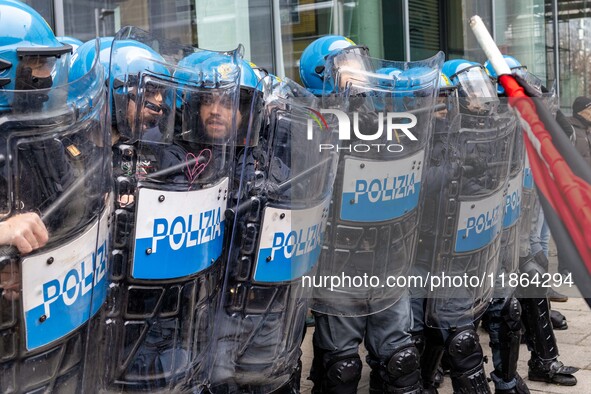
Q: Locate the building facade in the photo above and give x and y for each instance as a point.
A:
(551, 37)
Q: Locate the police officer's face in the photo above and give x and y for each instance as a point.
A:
(151, 111)
(34, 72)
(216, 115)
(40, 67)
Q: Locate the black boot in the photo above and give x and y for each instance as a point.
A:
(518, 386)
(551, 371)
(558, 320)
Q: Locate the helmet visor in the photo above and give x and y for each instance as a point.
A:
(477, 94)
(351, 68)
(210, 115)
(36, 73)
(474, 83)
(145, 110)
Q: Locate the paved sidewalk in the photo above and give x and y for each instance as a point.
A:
(574, 346)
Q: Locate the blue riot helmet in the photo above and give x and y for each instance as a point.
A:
(477, 94)
(392, 72)
(250, 107)
(418, 80)
(249, 79)
(81, 63)
(519, 70)
(312, 61)
(385, 78)
(185, 73)
(412, 85)
(514, 65)
(211, 103)
(448, 96)
(73, 42)
(31, 59)
(260, 72)
(250, 102)
(189, 62)
(85, 55)
(142, 100)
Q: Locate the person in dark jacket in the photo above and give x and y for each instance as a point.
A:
(581, 123)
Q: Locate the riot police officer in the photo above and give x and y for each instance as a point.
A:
(446, 119)
(284, 191)
(173, 159)
(379, 317)
(64, 243)
(471, 159)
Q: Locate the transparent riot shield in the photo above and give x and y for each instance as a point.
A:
(476, 165)
(446, 121)
(176, 122)
(509, 254)
(383, 147)
(55, 185)
(280, 220)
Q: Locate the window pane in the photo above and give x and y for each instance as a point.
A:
(303, 21)
(423, 19)
(460, 41)
(574, 20)
(521, 32)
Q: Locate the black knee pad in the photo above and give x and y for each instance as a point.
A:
(466, 361)
(464, 349)
(400, 374)
(404, 365)
(344, 370)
